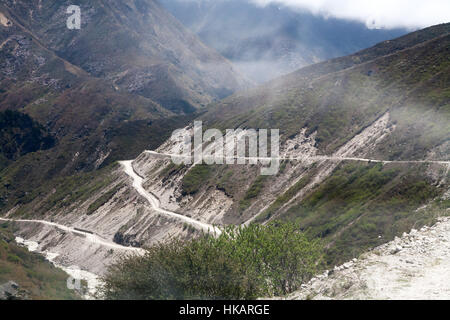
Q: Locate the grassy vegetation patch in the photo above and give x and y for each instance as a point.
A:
(170, 170)
(281, 200)
(361, 206)
(252, 193)
(196, 178)
(102, 200)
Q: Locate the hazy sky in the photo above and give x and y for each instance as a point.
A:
(377, 13)
(411, 14)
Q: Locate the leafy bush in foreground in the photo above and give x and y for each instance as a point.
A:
(241, 263)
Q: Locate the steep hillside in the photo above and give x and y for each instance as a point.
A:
(389, 103)
(80, 112)
(368, 135)
(47, 73)
(20, 135)
(265, 42)
(136, 45)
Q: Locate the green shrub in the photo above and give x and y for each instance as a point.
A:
(241, 263)
(283, 199)
(13, 258)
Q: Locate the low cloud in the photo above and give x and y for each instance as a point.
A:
(411, 14)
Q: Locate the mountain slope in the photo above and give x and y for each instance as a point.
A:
(136, 45)
(84, 91)
(408, 71)
(81, 113)
(389, 103)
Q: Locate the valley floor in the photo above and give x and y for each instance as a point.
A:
(415, 266)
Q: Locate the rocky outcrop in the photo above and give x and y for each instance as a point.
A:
(414, 266)
(12, 291)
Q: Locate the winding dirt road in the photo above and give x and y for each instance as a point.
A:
(93, 238)
(309, 158)
(155, 203)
